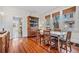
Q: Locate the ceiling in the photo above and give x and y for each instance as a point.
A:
(36, 9)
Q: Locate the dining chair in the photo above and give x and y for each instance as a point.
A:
(54, 41)
(66, 43)
(46, 37)
(38, 36)
(57, 29)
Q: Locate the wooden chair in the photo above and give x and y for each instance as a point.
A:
(57, 29)
(46, 37)
(66, 43)
(54, 41)
(38, 36)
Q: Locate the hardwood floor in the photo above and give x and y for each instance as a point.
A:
(29, 45)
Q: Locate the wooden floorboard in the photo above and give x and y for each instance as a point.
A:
(30, 45)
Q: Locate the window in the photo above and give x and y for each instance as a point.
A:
(68, 15)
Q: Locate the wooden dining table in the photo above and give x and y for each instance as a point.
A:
(57, 34)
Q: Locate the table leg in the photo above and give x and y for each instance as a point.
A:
(58, 44)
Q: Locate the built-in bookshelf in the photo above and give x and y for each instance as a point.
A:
(33, 24)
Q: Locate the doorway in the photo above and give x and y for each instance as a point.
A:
(17, 27)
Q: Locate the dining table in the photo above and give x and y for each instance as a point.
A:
(59, 34)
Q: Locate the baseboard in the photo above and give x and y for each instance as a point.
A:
(77, 45)
(30, 36)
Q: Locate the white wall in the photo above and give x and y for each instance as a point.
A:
(9, 12)
(75, 34)
(0, 18)
(0, 22)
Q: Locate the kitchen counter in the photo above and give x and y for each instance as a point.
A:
(2, 34)
(4, 42)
